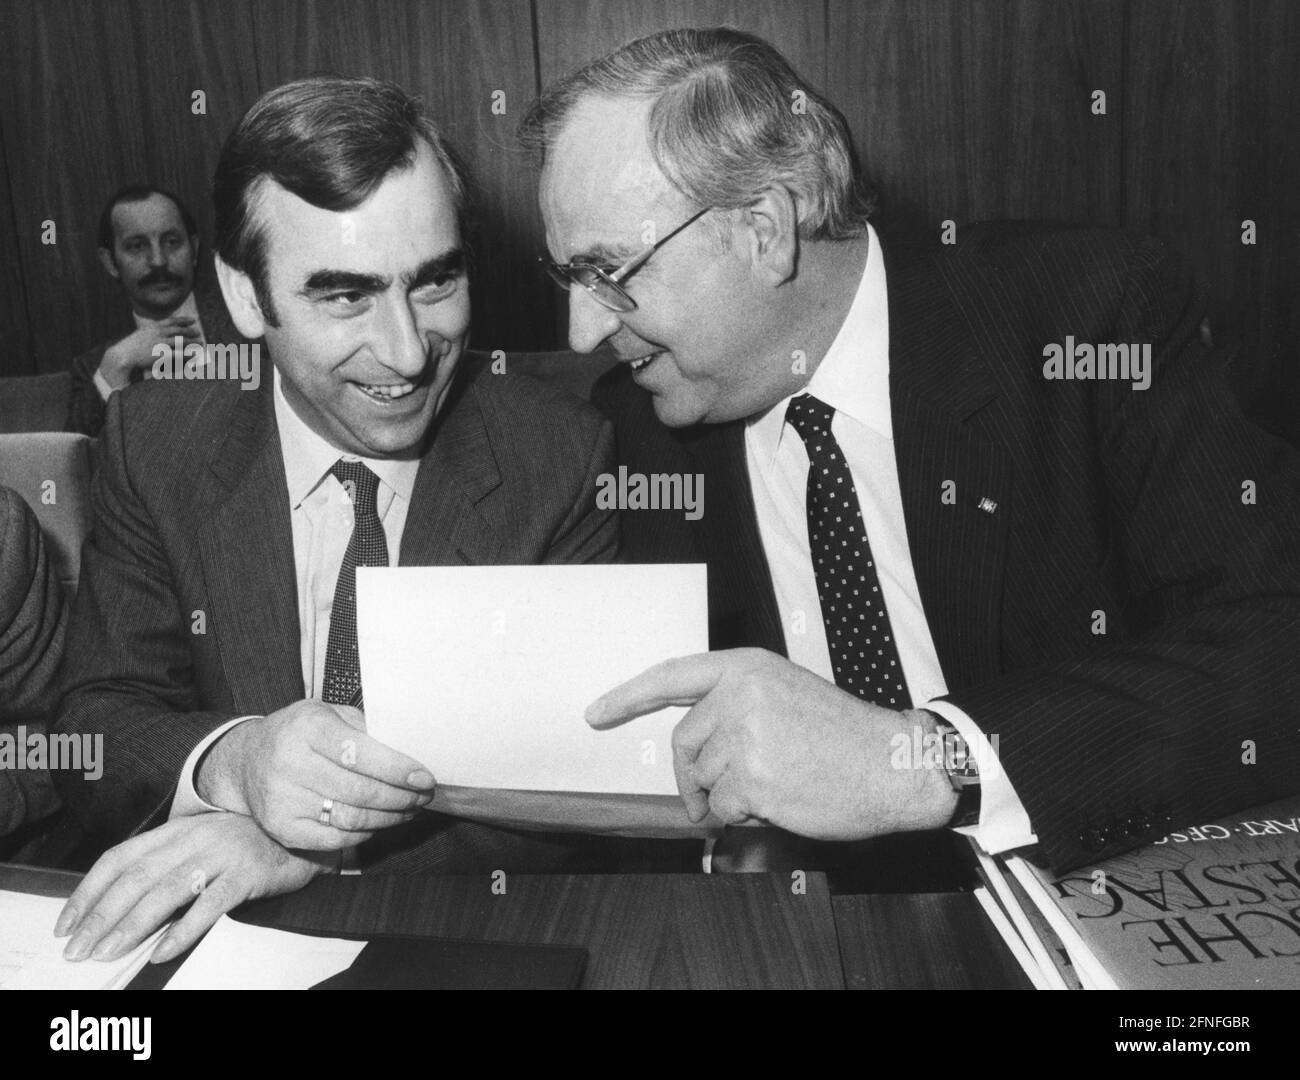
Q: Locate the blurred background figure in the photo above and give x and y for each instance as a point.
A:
(148, 241)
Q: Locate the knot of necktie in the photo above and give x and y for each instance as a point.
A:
(809, 416)
(360, 483)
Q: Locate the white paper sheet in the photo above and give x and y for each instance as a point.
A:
(483, 673)
(31, 957)
(236, 956)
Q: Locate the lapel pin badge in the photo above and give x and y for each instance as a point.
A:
(988, 505)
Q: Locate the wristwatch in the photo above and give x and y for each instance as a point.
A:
(963, 775)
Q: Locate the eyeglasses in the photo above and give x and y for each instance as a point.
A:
(605, 286)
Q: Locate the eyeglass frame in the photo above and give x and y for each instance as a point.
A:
(561, 273)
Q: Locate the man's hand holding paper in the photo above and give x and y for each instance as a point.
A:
(312, 778)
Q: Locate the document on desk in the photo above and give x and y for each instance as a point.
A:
(483, 674)
(31, 957)
(237, 956)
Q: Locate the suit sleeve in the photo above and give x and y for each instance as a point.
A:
(128, 675)
(85, 403)
(33, 622)
(1191, 713)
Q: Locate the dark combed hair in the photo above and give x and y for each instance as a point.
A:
(730, 118)
(329, 139)
(138, 193)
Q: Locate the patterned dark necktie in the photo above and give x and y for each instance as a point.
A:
(861, 642)
(368, 547)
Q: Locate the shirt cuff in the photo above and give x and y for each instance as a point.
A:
(101, 384)
(187, 802)
(1003, 824)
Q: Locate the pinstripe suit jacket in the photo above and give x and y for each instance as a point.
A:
(187, 613)
(1108, 499)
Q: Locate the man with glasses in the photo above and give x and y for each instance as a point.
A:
(605, 283)
(945, 589)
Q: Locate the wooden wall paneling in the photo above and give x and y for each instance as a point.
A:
(16, 355)
(72, 132)
(1213, 115)
(456, 55)
(976, 111)
(192, 45)
(572, 32)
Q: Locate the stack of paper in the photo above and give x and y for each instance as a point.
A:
(237, 956)
(31, 957)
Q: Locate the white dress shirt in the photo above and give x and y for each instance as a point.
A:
(188, 307)
(853, 379)
(322, 518)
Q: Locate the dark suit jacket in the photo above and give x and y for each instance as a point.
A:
(33, 622)
(86, 407)
(1127, 502)
(192, 515)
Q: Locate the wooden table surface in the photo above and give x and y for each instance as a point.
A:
(685, 931)
(641, 931)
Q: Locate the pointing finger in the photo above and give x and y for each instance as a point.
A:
(682, 681)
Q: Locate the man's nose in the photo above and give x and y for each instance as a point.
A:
(157, 257)
(590, 322)
(402, 346)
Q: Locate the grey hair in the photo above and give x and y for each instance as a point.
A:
(730, 118)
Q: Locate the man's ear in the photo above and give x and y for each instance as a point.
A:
(770, 225)
(241, 299)
(106, 261)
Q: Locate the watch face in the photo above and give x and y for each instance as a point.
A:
(958, 761)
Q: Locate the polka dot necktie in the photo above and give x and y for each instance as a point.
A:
(861, 642)
(368, 547)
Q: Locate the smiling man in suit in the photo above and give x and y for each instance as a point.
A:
(947, 589)
(214, 638)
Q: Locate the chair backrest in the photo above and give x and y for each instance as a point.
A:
(34, 402)
(52, 471)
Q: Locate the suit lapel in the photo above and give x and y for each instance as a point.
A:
(444, 525)
(252, 586)
(956, 532)
(247, 552)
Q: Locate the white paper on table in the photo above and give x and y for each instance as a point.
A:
(31, 957)
(483, 672)
(236, 956)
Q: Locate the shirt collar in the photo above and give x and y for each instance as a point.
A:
(188, 307)
(853, 376)
(308, 457)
